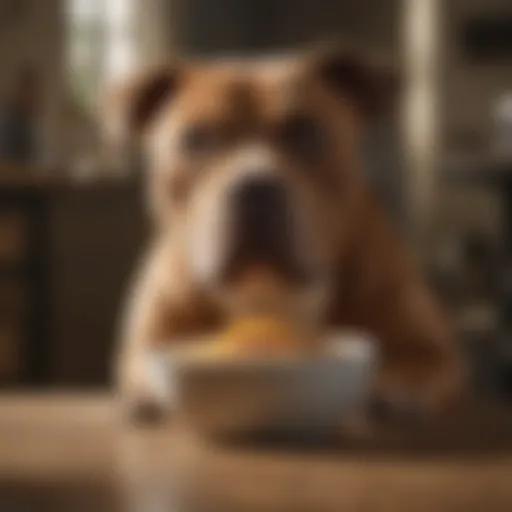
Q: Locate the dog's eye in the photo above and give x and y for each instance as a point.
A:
(200, 140)
(303, 134)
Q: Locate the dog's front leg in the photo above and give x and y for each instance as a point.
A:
(158, 316)
(422, 369)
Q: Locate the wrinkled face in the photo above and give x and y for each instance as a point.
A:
(254, 164)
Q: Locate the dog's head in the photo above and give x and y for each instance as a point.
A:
(256, 162)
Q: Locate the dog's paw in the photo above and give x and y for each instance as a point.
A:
(143, 412)
(412, 391)
(147, 394)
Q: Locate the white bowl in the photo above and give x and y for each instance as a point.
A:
(218, 397)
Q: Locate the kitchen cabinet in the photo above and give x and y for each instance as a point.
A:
(66, 254)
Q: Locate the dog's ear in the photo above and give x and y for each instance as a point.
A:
(371, 84)
(130, 106)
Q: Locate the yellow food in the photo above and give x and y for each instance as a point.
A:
(252, 336)
(263, 335)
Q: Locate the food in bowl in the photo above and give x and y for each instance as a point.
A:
(255, 336)
(262, 335)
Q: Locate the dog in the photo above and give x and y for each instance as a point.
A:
(259, 162)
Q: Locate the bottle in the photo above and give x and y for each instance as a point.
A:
(502, 115)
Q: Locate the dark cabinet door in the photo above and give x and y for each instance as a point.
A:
(23, 292)
(96, 235)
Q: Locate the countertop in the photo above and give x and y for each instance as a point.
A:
(22, 179)
(74, 453)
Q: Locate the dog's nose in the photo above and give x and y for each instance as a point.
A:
(263, 226)
(262, 214)
(259, 199)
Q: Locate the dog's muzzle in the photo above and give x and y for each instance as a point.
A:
(263, 228)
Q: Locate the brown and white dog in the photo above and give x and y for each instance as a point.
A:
(259, 162)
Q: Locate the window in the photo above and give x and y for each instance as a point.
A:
(101, 40)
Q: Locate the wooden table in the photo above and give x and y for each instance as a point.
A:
(73, 453)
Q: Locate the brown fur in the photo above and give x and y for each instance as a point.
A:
(373, 284)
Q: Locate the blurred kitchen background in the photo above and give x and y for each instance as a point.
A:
(71, 218)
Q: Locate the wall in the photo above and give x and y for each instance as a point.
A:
(236, 25)
(37, 39)
(469, 89)
(155, 28)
